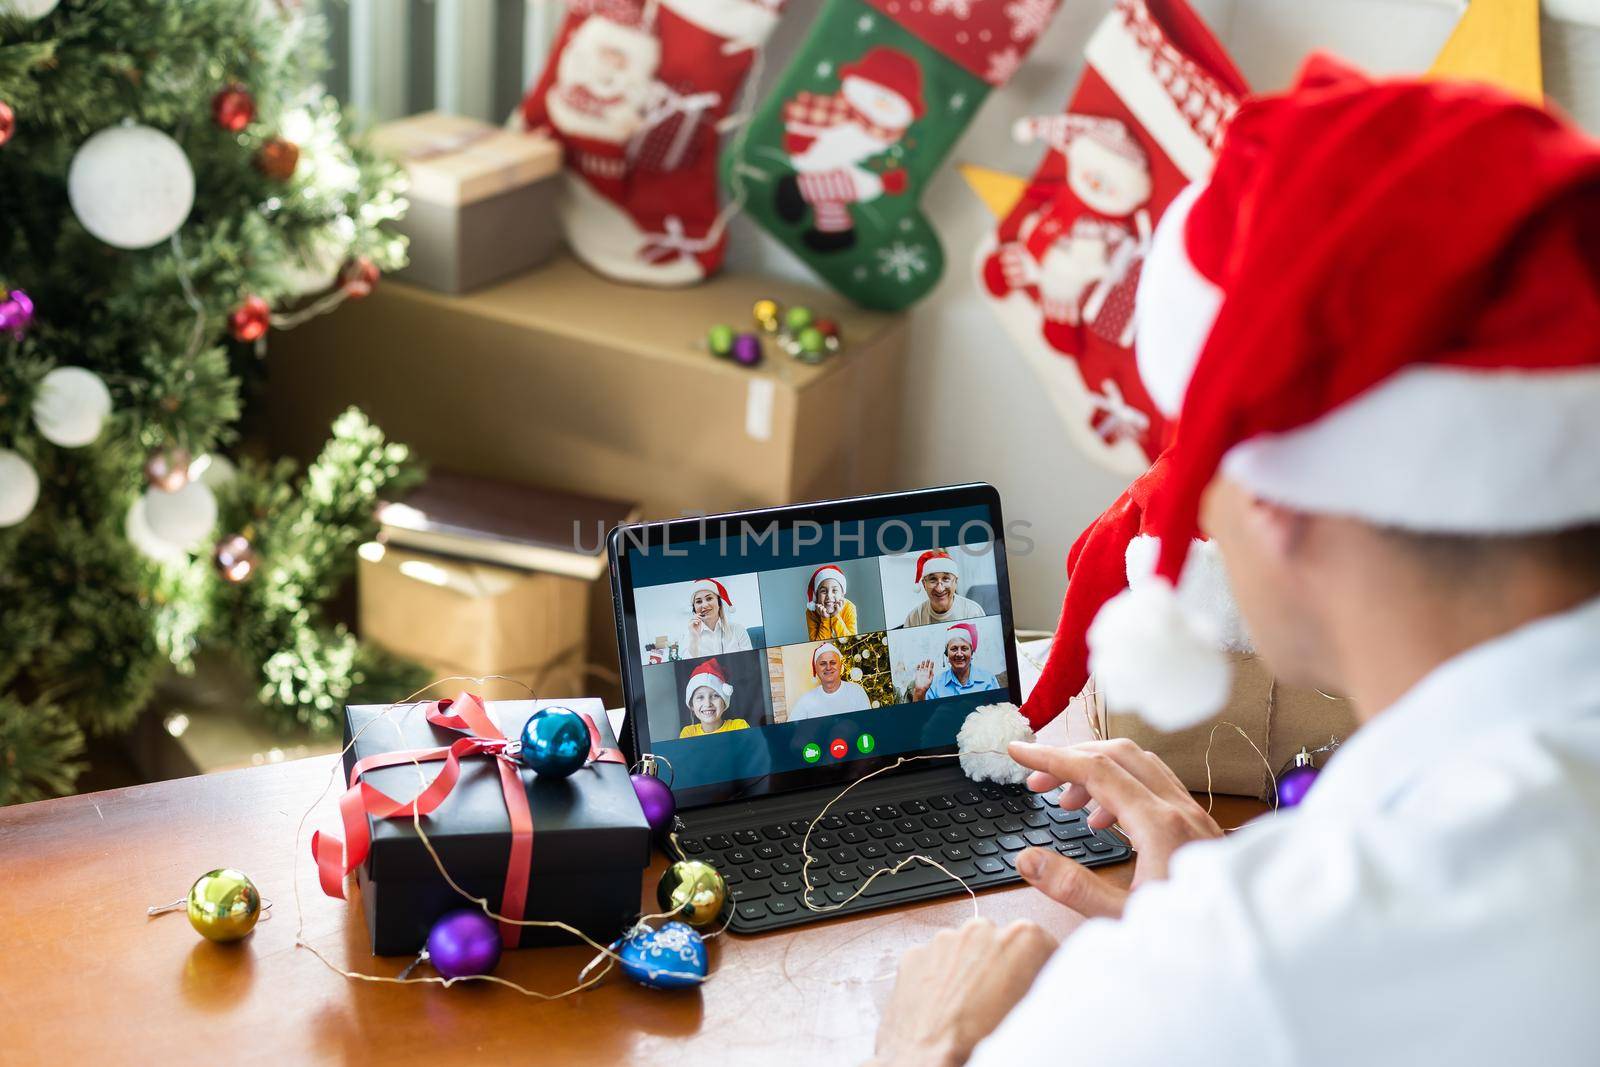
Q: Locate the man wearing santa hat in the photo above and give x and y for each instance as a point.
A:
(940, 581)
(960, 675)
(830, 138)
(834, 694)
(1378, 327)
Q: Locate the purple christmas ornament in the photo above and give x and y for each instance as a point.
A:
(656, 799)
(747, 349)
(1295, 780)
(16, 314)
(464, 943)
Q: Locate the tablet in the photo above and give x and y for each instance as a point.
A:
(786, 648)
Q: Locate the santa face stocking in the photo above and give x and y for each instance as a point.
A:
(834, 163)
(635, 92)
(1063, 265)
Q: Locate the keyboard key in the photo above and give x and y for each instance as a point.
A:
(935, 821)
(798, 827)
(908, 826)
(824, 841)
(752, 911)
(914, 807)
(914, 876)
(774, 832)
(859, 817)
(1037, 837)
(749, 891)
(984, 848)
(899, 845)
(880, 830)
(1057, 815)
(941, 803)
(1035, 819)
(981, 829)
(927, 839)
(967, 796)
(964, 815)
(853, 836)
(768, 852)
(747, 837)
(786, 885)
(872, 851)
(1072, 831)
(886, 811)
(782, 906)
(843, 874)
(740, 856)
(868, 868)
(1011, 858)
(993, 792)
(989, 865)
(1035, 801)
(732, 876)
(1072, 850)
(991, 810)
(817, 876)
(793, 846)
(842, 855)
(719, 842)
(1009, 825)
(691, 846)
(757, 873)
(1011, 842)
(1014, 805)
(1097, 845)
(1013, 789)
(830, 822)
(957, 852)
(954, 834)
(786, 866)
(838, 894)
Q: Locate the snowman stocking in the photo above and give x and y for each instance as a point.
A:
(1064, 263)
(834, 163)
(636, 91)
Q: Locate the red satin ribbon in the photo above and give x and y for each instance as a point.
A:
(481, 737)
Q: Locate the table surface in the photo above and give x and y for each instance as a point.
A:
(88, 978)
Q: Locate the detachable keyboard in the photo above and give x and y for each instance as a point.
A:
(976, 831)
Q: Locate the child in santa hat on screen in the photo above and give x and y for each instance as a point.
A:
(1377, 327)
(829, 613)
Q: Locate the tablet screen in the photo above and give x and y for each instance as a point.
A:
(793, 647)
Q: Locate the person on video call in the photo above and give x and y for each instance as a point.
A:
(828, 613)
(1385, 373)
(710, 631)
(960, 675)
(941, 582)
(834, 694)
(708, 696)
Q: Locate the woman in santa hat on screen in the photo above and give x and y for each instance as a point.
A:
(708, 695)
(710, 630)
(828, 613)
(1377, 327)
(940, 581)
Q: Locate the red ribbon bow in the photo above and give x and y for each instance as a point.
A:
(481, 737)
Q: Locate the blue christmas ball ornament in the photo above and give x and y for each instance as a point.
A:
(672, 957)
(555, 742)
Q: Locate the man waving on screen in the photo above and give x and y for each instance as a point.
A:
(1378, 329)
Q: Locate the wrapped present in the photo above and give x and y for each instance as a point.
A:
(571, 849)
(482, 202)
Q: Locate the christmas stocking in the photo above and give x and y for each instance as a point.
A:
(1063, 265)
(636, 92)
(834, 163)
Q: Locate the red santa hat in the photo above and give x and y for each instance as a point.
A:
(1383, 304)
(935, 561)
(890, 69)
(826, 646)
(708, 674)
(966, 628)
(711, 585)
(818, 576)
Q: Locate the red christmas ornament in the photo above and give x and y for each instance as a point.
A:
(250, 319)
(8, 122)
(277, 158)
(359, 278)
(233, 108)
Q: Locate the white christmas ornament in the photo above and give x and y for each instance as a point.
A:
(215, 469)
(131, 186)
(72, 407)
(137, 527)
(28, 9)
(184, 518)
(19, 488)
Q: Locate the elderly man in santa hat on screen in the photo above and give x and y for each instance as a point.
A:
(1378, 328)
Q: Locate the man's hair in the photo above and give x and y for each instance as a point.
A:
(1576, 551)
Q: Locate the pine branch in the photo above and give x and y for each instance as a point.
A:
(39, 749)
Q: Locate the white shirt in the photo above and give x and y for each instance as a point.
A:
(819, 702)
(1434, 900)
(726, 637)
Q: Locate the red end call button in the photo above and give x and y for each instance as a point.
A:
(838, 749)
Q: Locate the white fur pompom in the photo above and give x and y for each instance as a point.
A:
(982, 743)
(1150, 656)
(1203, 590)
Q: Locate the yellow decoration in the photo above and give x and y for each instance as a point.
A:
(766, 315)
(224, 905)
(998, 190)
(694, 892)
(1496, 41)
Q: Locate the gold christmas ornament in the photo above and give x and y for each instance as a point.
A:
(223, 905)
(766, 315)
(694, 892)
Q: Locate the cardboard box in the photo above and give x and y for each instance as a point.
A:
(561, 379)
(591, 843)
(1278, 719)
(462, 618)
(482, 199)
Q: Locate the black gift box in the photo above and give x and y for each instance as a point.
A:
(590, 839)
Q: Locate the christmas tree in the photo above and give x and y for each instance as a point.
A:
(173, 186)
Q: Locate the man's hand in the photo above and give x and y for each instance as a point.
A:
(954, 990)
(1133, 788)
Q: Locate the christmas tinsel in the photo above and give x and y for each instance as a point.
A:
(89, 623)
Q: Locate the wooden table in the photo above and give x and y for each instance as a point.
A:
(87, 978)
